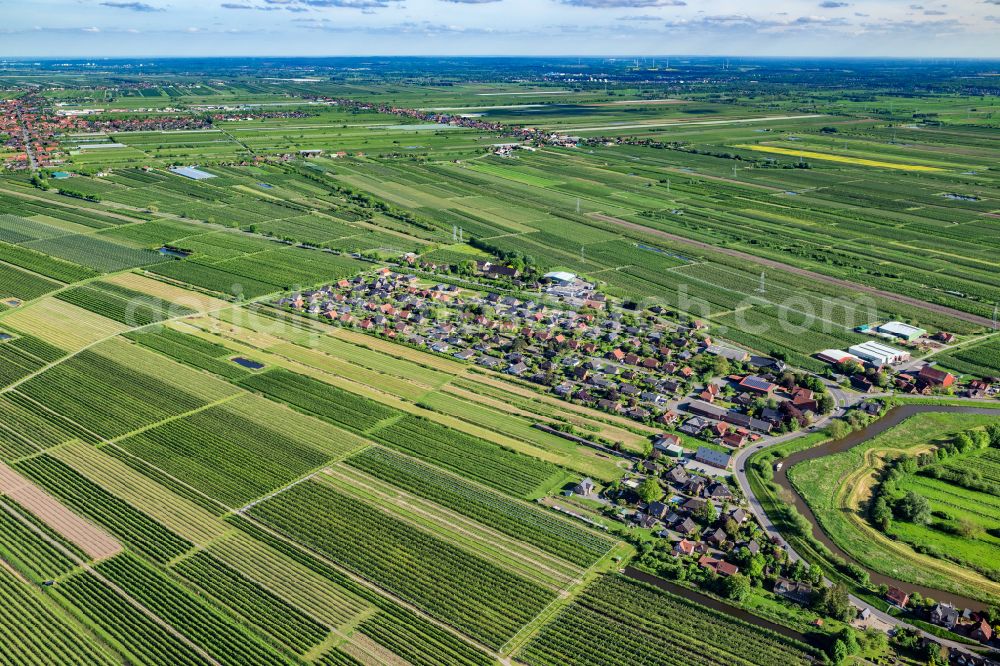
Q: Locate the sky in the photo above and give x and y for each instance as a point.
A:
(900, 28)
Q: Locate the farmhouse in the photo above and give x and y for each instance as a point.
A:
(930, 376)
(585, 488)
(799, 592)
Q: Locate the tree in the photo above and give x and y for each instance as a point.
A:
(834, 602)
(737, 587)
(850, 639)
(993, 430)
(649, 490)
(827, 403)
(914, 508)
(838, 429)
(963, 442)
(839, 652)
(707, 513)
(881, 514)
(755, 569)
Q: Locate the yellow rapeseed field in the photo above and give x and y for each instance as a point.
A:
(836, 158)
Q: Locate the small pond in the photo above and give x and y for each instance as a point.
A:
(173, 252)
(247, 363)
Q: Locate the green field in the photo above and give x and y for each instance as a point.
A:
(836, 488)
(192, 474)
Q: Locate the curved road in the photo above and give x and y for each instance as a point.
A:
(844, 402)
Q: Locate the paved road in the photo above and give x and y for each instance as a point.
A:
(844, 401)
(27, 140)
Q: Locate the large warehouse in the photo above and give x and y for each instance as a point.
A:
(901, 330)
(879, 354)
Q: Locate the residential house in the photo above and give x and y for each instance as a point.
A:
(797, 591)
(983, 632)
(897, 597)
(684, 547)
(586, 488)
(945, 615)
(666, 440)
(694, 426)
(717, 537)
(687, 526)
(719, 491)
(677, 475)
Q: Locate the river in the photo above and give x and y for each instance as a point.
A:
(895, 416)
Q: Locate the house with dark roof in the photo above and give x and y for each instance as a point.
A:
(657, 509)
(678, 475)
(713, 457)
(945, 615)
(687, 526)
(797, 591)
(758, 385)
(719, 491)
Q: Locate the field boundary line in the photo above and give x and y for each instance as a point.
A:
(87, 569)
(371, 585)
(462, 524)
(802, 272)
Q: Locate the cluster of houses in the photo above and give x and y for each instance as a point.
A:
(640, 366)
(30, 132)
(470, 121)
(960, 621)
(905, 377)
(30, 116)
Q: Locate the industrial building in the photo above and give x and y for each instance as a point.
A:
(191, 172)
(879, 354)
(835, 356)
(901, 330)
(561, 277)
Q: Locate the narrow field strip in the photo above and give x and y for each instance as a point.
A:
(176, 513)
(468, 534)
(90, 538)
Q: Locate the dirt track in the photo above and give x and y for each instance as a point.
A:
(770, 263)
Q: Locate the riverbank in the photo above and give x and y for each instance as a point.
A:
(848, 536)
